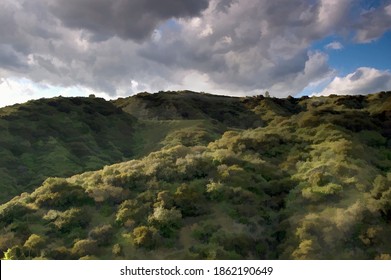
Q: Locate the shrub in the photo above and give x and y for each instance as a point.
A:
(102, 234)
(164, 199)
(145, 237)
(166, 220)
(189, 200)
(14, 253)
(216, 190)
(204, 231)
(59, 193)
(117, 250)
(74, 217)
(85, 247)
(60, 253)
(134, 210)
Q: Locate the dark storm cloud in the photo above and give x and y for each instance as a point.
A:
(10, 59)
(128, 19)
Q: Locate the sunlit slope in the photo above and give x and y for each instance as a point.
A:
(313, 182)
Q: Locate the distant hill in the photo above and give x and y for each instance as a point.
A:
(188, 105)
(197, 176)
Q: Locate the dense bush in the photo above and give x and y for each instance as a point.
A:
(145, 237)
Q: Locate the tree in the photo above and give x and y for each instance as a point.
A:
(34, 244)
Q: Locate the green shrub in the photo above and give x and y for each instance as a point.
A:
(70, 219)
(85, 247)
(166, 220)
(145, 237)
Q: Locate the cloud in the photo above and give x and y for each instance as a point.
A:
(221, 46)
(334, 46)
(363, 81)
(11, 59)
(128, 19)
(224, 5)
(373, 24)
(246, 47)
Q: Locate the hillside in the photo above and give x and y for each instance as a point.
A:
(65, 136)
(188, 105)
(59, 137)
(208, 177)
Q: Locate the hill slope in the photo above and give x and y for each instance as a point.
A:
(59, 137)
(312, 182)
(188, 105)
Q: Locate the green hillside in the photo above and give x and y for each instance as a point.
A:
(59, 137)
(66, 136)
(234, 178)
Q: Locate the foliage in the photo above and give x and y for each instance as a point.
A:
(84, 248)
(197, 177)
(59, 137)
(145, 237)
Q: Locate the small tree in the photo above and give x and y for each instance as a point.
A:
(34, 244)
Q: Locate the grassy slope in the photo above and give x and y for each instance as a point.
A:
(312, 183)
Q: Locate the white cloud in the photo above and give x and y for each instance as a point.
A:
(387, 9)
(362, 81)
(373, 24)
(208, 30)
(19, 90)
(334, 46)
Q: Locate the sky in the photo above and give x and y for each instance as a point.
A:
(117, 48)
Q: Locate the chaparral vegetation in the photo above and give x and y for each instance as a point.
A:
(185, 175)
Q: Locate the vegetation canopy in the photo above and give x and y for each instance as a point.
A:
(185, 175)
